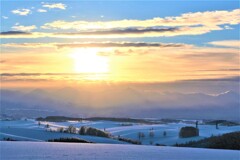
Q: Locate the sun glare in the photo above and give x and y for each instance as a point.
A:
(87, 61)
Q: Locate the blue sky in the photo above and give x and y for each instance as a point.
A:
(118, 10)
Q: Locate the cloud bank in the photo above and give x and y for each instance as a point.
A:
(186, 24)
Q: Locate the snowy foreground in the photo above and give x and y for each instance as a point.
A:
(62, 151)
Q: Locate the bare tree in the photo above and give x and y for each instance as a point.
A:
(164, 133)
(61, 129)
(196, 124)
(151, 133)
(151, 142)
(217, 125)
(71, 129)
(47, 126)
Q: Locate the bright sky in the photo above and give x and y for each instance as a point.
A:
(144, 41)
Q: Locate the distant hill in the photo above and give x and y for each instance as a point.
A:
(58, 119)
(120, 102)
(222, 122)
(131, 120)
(64, 119)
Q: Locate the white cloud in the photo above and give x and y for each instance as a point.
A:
(4, 17)
(22, 12)
(228, 27)
(210, 20)
(54, 5)
(24, 28)
(227, 43)
(41, 10)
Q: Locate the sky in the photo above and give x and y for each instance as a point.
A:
(61, 42)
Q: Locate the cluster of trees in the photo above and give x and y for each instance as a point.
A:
(84, 130)
(225, 141)
(128, 140)
(70, 140)
(188, 131)
(9, 139)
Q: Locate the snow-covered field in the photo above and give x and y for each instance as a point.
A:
(30, 130)
(63, 151)
(172, 131)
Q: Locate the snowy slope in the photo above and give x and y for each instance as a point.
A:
(63, 151)
(172, 130)
(29, 130)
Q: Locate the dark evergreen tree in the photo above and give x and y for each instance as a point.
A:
(217, 125)
(196, 124)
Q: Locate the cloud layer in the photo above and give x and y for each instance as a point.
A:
(94, 44)
(116, 33)
(186, 24)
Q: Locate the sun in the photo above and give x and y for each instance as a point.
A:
(87, 61)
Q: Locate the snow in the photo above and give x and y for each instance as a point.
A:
(172, 130)
(30, 131)
(75, 151)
